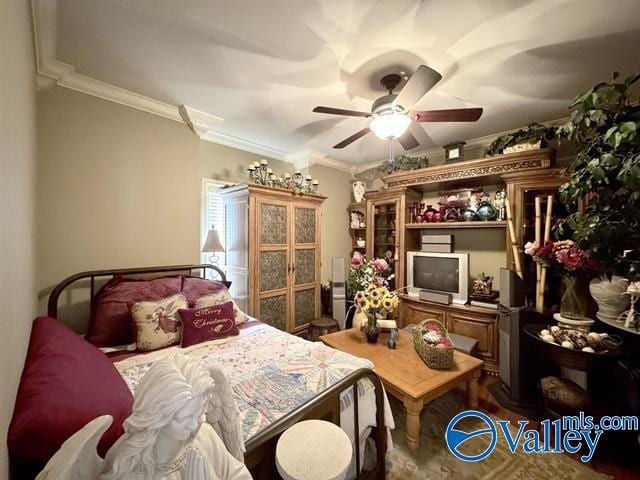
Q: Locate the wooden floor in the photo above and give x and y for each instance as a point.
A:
(610, 461)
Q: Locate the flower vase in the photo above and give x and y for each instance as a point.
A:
(574, 302)
(358, 191)
(372, 329)
(429, 213)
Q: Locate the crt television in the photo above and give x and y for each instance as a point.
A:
(439, 272)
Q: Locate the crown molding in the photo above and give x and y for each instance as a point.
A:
(253, 147)
(198, 121)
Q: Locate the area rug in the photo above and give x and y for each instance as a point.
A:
(434, 461)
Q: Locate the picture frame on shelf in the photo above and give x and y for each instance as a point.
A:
(454, 151)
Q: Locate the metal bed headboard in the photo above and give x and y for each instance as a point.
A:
(52, 308)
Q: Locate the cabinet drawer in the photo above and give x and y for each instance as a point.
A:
(481, 327)
(413, 313)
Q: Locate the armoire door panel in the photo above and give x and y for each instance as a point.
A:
(273, 270)
(273, 311)
(304, 220)
(273, 224)
(304, 307)
(304, 263)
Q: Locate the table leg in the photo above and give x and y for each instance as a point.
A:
(413, 425)
(472, 389)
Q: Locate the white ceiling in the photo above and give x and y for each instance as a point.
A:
(262, 65)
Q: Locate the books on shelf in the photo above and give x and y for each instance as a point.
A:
(489, 300)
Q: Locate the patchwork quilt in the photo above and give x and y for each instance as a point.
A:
(271, 373)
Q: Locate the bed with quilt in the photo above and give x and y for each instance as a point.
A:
(139, 318)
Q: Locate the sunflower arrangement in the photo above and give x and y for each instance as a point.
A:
(375, 301)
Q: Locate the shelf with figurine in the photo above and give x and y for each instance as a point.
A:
(462, 208)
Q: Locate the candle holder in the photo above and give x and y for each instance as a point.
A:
(261, 174)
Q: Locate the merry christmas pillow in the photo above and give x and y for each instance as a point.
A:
(207, 323)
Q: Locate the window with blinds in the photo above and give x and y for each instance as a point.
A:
(212, 217)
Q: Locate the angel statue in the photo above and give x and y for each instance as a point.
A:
(165, 437)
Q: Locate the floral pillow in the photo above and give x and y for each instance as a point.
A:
(158, 323)
(221, 297)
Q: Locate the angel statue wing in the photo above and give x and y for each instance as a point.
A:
(223, 413)
(77, 458)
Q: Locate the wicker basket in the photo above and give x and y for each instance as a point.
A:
(434, 357)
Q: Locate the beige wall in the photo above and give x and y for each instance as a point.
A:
(118, 187)
(17, 193)
(230, 164)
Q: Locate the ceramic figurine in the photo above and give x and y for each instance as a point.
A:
(355, 220)
(474, 202)
(499, 203)
(630, 316)
(165, 437)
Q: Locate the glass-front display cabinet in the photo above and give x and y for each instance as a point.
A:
(522, 190)
(387, 215)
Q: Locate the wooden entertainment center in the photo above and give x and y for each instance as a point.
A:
(390, 232)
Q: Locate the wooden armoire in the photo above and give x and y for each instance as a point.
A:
(273, 253)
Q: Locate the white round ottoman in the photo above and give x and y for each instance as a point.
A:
(313, 450)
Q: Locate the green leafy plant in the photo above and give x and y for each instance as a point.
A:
(532, 133)
(403, 162)
(605, 176)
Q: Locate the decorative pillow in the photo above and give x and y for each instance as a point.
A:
(222, 296)
(194, 287)
(207, 323)
(111, 322)
(158, 323)
(66, 382)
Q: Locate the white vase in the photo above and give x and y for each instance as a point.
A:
(609, 296)
(360, 319)
(358, 190)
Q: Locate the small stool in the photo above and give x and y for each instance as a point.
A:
(313, 450)
(322, 326)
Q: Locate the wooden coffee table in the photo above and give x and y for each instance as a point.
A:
(406, 376)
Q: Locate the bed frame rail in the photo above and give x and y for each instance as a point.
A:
(350, 381)
(52, 308)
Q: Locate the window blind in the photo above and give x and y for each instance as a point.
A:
(212, 216)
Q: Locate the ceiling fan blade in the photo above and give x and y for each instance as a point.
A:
(352, 138)
(420, 83)
(452, 115)
(340, 111)
(407, 140)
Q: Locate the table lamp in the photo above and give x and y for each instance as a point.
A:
(213, 245)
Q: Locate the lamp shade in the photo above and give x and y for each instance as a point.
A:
(212, 244)
(391, 125)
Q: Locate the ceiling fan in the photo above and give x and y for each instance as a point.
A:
(391, 116)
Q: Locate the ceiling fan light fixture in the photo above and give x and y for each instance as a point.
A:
(390, 126)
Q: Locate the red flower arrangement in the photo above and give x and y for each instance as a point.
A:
(564, 254)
